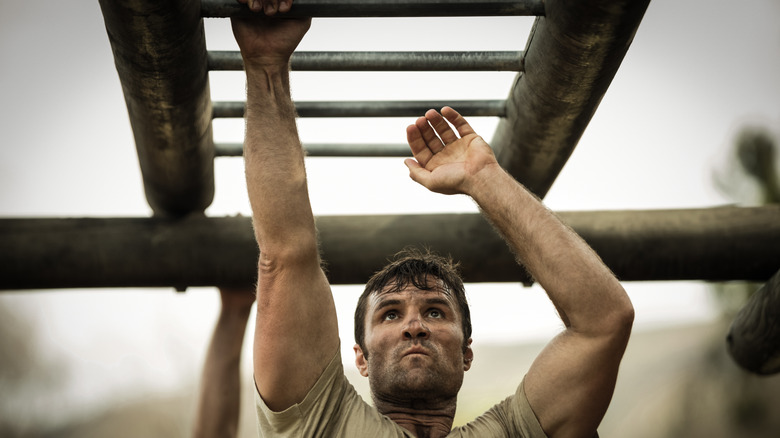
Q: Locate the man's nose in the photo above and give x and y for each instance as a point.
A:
(415, 329)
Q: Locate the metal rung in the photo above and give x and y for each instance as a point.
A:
(473, 108)
(384, 61)
(330, 150)
(386, 8)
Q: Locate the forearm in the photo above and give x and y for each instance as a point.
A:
(219, 400)
(274, 160)
(582, 288)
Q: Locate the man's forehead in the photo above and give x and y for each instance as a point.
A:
(410, 291)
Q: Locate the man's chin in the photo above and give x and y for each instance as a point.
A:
(416, 375)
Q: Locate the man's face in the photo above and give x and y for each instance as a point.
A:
(415, 346)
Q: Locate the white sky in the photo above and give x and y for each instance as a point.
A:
(697, 71)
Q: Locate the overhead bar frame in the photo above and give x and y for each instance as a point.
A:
(570, 59)
(715, 244)
(330, 150)
(160, 55)
(383, 61)
(386, 8)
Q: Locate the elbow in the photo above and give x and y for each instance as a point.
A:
(622, 315)
(626, 318)
(292, 255)
(615, 317)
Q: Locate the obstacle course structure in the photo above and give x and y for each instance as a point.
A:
(572, 54)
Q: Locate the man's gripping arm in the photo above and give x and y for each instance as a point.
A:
(219, 401)
(296, 333)
(570, 384)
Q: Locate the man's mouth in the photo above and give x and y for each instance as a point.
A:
(419, 351)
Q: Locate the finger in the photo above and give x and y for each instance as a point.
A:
(254, 5)
(285, 5)
(429, 135)
(441, 126)
(270, 6)
(418, 146)
(458, 121)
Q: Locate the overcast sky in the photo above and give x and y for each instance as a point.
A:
(697, 71)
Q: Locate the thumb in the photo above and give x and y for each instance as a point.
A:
(411, 163)
(416, 172)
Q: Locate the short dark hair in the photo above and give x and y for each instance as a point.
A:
(414, 266)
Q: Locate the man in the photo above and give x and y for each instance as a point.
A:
(416, 346)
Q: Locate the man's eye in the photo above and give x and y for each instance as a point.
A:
(435, 314)
(390, 316)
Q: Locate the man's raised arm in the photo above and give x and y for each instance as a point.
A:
(570, 384)
(296, 333)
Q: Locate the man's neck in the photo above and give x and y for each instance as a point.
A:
(422, 418)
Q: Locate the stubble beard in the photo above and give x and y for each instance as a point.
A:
(414, 378)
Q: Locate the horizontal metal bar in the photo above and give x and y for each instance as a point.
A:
(399, 108)
(386, 8)
(384, 61)
(718, 244)
(330, 150)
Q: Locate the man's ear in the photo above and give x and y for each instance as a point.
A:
(360, 361)
(468, 356)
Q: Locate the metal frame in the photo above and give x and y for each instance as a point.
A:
(570, 59)
(201, 251)
(388, 108)
(330, 150)
(166, 88)
(572, 55)
(387, 8)
(383, 61)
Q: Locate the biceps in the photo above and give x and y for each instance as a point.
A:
(570, 384)
(296, 333)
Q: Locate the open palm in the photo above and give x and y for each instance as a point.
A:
(446, 161)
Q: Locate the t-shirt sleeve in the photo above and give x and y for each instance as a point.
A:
(332, 408)
(528, 418)
(512, 417)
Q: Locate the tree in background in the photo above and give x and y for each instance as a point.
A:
(717, 398)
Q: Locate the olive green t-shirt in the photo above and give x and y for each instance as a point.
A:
(333, 408)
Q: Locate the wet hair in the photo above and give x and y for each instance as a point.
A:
(416, 267)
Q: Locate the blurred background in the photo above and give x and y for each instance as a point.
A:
(692, 110)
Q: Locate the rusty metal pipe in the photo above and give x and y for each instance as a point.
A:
(160, 55)
(383, 61)
(715, 244)
(472, 108)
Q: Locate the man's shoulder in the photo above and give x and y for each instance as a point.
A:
(511, 417)
(331, 408)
